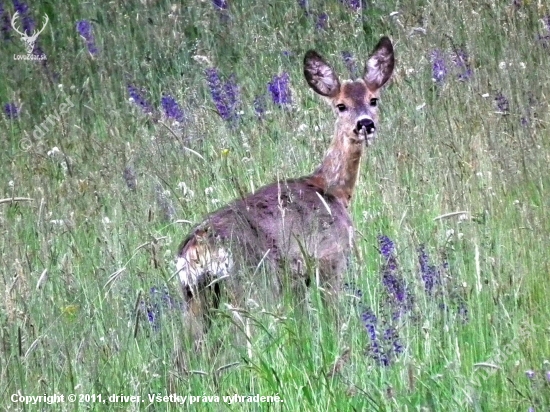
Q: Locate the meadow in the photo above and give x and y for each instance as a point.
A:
(145, 116)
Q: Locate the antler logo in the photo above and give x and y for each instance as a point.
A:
(28, 40)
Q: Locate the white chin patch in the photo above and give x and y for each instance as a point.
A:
(369, 138)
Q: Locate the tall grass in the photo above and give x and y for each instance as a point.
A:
(88, 303)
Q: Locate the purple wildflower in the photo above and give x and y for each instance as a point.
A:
(27, 21)
(429, 273)
(159, 301)
(351, 289)
(136, 96)
(304, 5)
(220, 4)
(85, 29)
(166, 300)
(387, 250)
(546, 21)
(216, 90)
(171, 108)
(370, 321)
(391, 336)
(439, 67)
(465, 75)
(5, 23)
(395, 286)
(224, 94)
(400, 299)
(524, 121)
(387, 247)
(11, 110)
(280, 89)
(352, 4)
(130, 178)
(152, 311)
(548, 376)
(322, 20)
(381, 350)
(231, 91)
(530, 374)
(502, 103)
(20, 7)
(461, 60)
(259, 105)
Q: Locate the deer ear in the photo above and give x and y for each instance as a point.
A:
(320, 76)
(380, 64)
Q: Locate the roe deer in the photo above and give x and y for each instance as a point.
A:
(289, 223)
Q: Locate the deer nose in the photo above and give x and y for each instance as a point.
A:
(366, 124)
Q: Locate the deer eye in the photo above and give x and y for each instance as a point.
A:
(341, 107)
(374, 102)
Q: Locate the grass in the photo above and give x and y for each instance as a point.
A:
(79, 261)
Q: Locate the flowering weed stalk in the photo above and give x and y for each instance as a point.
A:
(462, 62)
(171, 108)
(157, 304)
(260, 106)
(225, 94)
(396, 307)
(220, 4)
(5, 23)
(11, 110)
(383, 331)
(279, 87)
(321, 21)
(399, 298)
(439, 67)
(85, 29)
(136, 97)
(502, 103)
(27, 21)
(431, 276)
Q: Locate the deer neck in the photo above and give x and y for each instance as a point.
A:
(338, 172)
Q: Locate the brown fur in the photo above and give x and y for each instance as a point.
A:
(288, 224)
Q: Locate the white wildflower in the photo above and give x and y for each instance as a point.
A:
(54, 151)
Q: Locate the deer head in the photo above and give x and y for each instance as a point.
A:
(354, 102)
(29, 40)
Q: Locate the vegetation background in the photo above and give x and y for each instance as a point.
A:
(178, 107)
